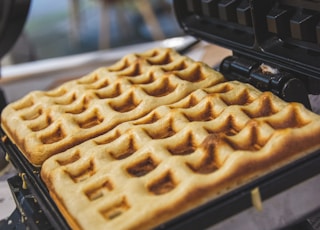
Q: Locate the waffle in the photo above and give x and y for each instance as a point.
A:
(44, 123)
(145, 172)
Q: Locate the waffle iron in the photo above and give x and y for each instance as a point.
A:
(276, 47)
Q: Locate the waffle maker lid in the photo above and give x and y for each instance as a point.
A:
(275, 44)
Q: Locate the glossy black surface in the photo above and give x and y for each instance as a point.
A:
(283, 33)
(13, 14)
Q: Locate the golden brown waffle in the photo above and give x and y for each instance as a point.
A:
(44, 123)
(145, 172)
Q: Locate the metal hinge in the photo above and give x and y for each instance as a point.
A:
(266, 78)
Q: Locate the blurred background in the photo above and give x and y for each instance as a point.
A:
(67, 27)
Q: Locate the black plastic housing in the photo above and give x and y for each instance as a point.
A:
(282, 33)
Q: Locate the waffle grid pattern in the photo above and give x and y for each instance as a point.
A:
(142, 172)
(46, 123)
